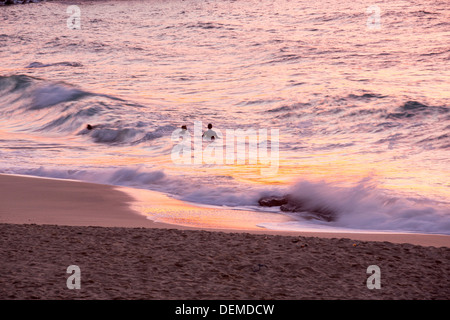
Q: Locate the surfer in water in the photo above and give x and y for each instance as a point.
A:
(210, 134)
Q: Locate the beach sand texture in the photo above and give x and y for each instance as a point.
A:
(130, 263)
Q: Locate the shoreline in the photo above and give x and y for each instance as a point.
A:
(47, 225)
(62, 202)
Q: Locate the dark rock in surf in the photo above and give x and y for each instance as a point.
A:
(317, 212)
(272, 201)
(288, 203)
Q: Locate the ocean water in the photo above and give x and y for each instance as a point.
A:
(357, 92)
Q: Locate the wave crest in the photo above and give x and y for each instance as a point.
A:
(63, 108)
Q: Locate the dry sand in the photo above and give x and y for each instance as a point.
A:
(47, 225)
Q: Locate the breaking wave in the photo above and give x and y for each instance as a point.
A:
(37, 105)
(363, 206)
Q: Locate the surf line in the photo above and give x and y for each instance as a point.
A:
(228, 149)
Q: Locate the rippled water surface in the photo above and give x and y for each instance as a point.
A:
(362, 110)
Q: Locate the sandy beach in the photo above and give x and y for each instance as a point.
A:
(47, 225)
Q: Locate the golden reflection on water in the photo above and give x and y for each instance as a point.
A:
(161, 208)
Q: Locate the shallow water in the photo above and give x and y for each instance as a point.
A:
(362, 112)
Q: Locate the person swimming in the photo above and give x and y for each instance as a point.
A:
(210, 134)
(184, 131)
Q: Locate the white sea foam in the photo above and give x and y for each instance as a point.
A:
(363, 206)
(366, 206)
